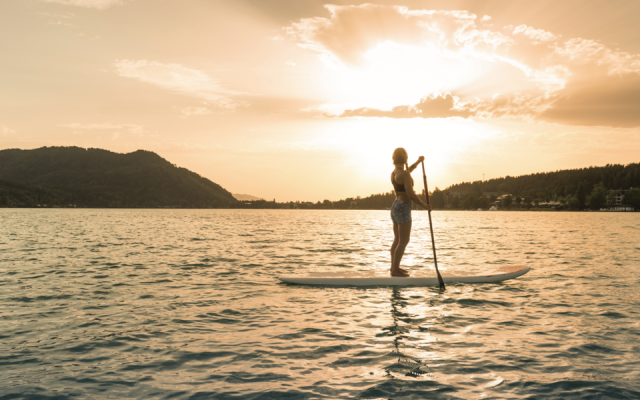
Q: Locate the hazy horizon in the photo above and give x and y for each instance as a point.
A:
(307, 100)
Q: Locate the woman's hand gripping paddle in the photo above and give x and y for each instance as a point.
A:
(433, 242)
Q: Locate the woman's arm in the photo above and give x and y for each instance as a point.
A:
(415, 164)
(408, 186)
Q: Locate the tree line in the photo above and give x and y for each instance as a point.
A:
(577, 189)
(63, 176)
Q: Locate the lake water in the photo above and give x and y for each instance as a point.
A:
(186, 304)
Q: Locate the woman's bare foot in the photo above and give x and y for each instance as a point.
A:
(400, 272)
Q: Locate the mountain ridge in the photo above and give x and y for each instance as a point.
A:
(246, 197)
(100, 178)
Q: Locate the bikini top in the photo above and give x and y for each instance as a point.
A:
(396, 186)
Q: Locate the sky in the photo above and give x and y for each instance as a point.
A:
(306, 100)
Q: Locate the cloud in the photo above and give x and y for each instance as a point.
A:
(598, 58)
(95, 4)
(59, 19)
(180, 79)
(514, 106)
(519, 106)
(534, 34)
(612, 100)
(5, 131)
(352, 30)
(573, 81)
(439, 106)
(189, 111)
(129, 128)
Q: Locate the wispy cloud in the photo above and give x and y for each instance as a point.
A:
(134, 129)
(352, 30)
(59, 19)
(180, 79)
(575, 81)
(532, 33)
(189, 111)
(5, 131)
(95, 4)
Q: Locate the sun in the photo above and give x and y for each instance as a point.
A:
(392, 74)
(367, 144)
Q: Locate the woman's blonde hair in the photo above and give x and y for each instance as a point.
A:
(400, 156)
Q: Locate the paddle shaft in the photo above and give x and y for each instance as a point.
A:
(433, 242)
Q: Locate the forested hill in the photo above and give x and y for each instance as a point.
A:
(101, 178)
(546, 185)
(577, 189)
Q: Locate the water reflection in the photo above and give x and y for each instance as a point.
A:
(403, 323)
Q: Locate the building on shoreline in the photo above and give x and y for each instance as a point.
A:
(618, 209)
(500, 199)
(554, 205)
(615, 197)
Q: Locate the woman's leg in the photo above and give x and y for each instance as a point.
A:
(394, 245)
(403, 235)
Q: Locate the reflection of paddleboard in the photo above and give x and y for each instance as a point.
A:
(376, 278)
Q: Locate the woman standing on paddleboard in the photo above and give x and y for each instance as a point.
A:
(401, 208)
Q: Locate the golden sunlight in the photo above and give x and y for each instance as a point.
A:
(393, 74)
(367, 144)
(474, 86)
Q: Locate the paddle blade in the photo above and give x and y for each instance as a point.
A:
(441, 281)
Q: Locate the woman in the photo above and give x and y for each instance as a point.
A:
(401, 209)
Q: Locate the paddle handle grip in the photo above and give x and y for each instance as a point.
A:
(426, 188)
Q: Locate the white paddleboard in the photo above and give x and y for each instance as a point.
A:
(377, 278)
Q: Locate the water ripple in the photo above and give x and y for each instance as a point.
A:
(186, 304)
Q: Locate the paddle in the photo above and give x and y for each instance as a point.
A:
(433, 242)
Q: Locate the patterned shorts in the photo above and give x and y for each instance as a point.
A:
(401, 212)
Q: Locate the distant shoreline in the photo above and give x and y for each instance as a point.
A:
(303, 209)
(68, 177)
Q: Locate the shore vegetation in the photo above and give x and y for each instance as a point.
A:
(78, 177)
